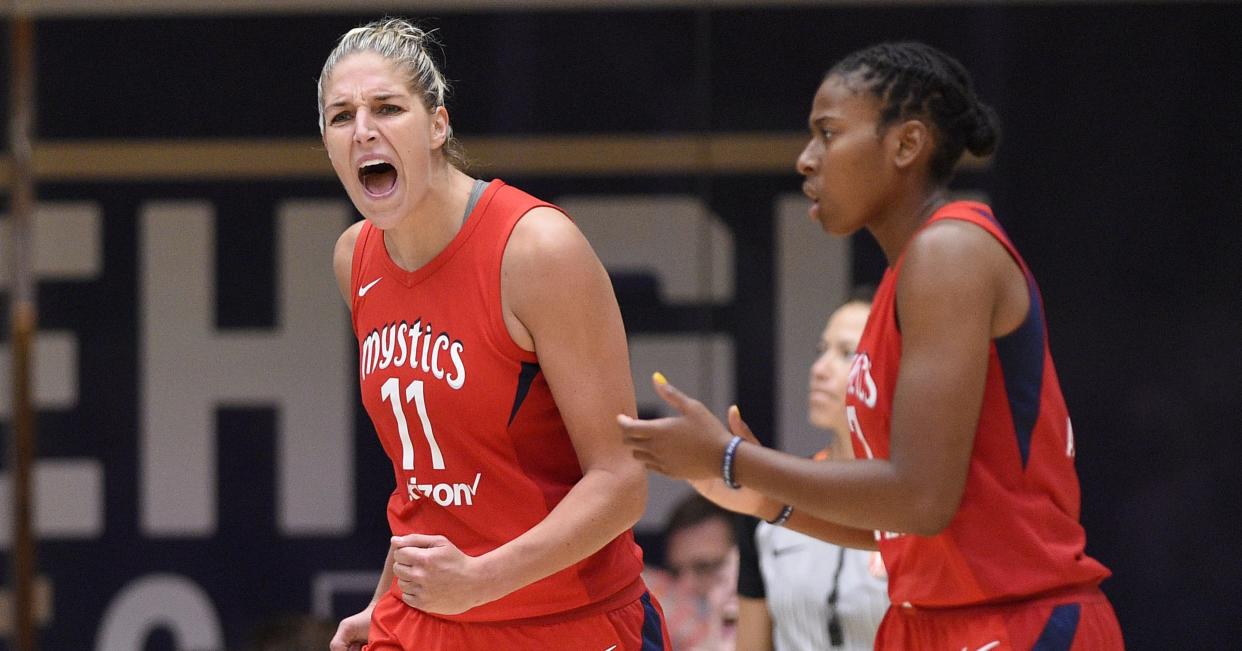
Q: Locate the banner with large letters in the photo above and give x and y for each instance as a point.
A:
(204, 462)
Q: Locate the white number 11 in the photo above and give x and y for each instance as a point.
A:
(390, 392)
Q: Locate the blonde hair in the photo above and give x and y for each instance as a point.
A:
(406, 46)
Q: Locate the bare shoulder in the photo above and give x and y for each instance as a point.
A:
(952, 253)
(953, 241)
(550, 269)
(546, 247)
(542, 233)
(343, 257)
(946, 287)
(960, 272)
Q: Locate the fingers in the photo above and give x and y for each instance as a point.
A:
(739, 427)
(648, 460)
(633, 430)
(337, 644)
(674, 397)
(418, 540)
(346, 638)
(408, 586)
(409, 600)
(403, 571)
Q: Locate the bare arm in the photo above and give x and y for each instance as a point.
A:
(555, 286)
(352, 632)
(343, 258)
(342, 261)
(748, 501)
(754, 625)
(559, 302)
(954, 294)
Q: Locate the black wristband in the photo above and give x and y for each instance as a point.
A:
(726, 465)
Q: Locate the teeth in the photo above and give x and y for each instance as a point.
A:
(369, 163)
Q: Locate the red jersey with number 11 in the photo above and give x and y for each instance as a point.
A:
(1016, 533)
(478, 447)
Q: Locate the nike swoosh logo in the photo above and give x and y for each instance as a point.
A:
(987, 647)
(611, 648)
(777, 551)
(362, 291)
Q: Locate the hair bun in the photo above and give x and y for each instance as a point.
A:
(984, 133)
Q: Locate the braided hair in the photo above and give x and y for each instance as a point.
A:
(914, 80)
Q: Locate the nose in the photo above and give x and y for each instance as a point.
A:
(822, 369)
(364, 131)
(806, 160)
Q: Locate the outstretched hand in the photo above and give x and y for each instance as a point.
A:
(689, 445)
(739, 500)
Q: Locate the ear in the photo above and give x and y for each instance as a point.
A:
(439, 127)
(910, 142)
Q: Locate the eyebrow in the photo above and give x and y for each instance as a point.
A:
(381, 97)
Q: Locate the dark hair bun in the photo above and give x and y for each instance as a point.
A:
(984, 134)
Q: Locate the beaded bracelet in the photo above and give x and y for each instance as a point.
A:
(726, 465)
(783, 517)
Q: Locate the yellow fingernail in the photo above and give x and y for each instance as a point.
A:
(659, 378)
(736, 410)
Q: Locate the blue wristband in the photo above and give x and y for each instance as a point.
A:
(726, 466)
(782, 518)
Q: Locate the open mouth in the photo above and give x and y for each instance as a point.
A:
(378, 178)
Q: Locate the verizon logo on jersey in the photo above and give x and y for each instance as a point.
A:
(402, 344)
(458, 494)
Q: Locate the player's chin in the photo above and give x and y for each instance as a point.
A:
(838, 227)
(384, 214)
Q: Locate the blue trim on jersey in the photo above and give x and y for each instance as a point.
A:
(1021, 354)
(988, 216)
(1058, 633)
(525, 378)
(653, 629)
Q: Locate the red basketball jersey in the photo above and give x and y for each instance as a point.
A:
(1016, 532)
(478, 447)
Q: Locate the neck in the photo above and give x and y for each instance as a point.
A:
(899, 222)
(434, 221)
(839, 445)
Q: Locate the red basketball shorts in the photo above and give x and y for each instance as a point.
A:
(637, 626)
(1080, 620)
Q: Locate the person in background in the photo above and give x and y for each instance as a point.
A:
(698, 585)
(796, 592)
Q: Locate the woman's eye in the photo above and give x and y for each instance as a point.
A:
(825, 133)
(339, 117)
(389, 109)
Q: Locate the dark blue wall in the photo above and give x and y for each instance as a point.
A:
(1118, 178)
